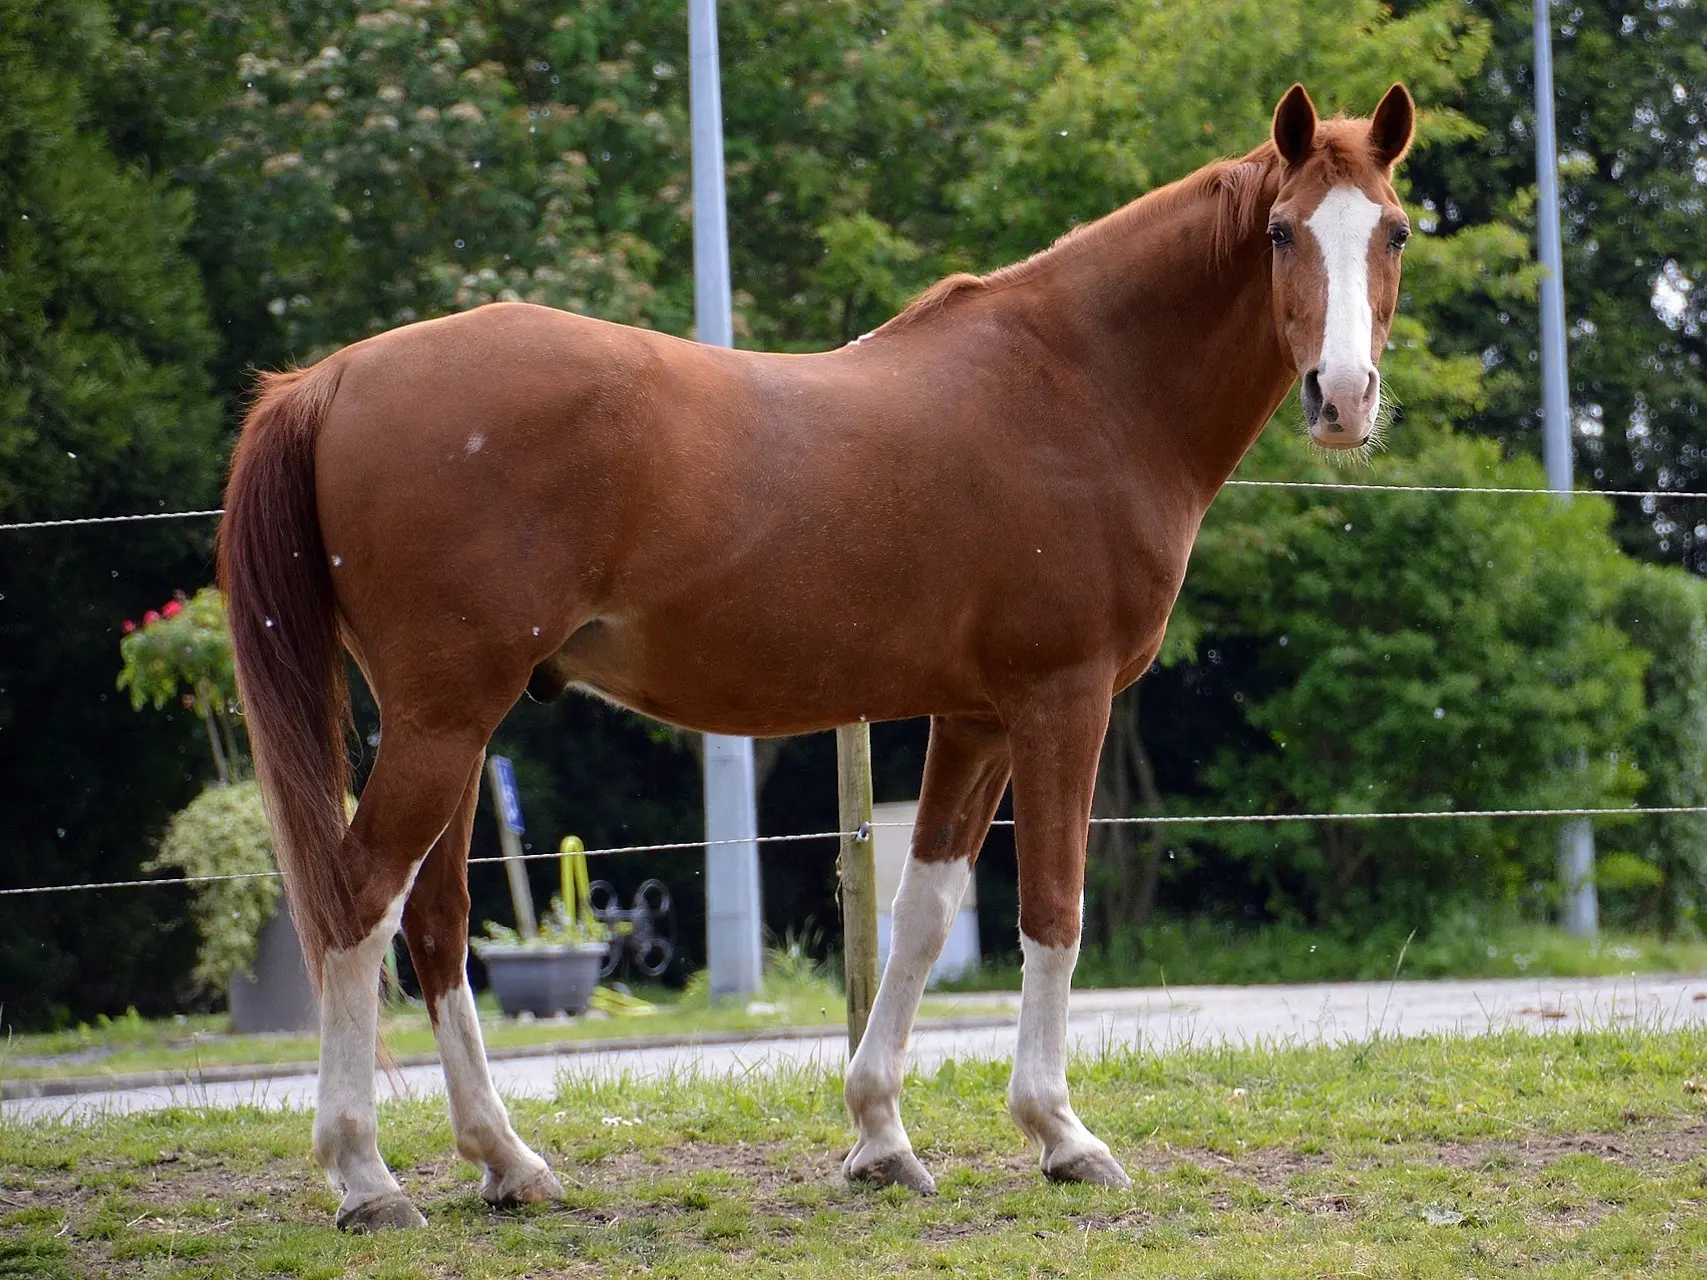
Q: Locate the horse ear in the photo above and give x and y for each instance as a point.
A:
(1391, 128)
(1294, 125)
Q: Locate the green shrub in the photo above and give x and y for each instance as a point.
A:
(222, 832)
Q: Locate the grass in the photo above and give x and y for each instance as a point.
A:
(1210, 953)
(1564, 1155)
(113, 1046)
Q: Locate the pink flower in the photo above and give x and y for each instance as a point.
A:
(150, 617)
(128, 627)
(171, 609)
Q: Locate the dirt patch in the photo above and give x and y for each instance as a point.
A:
(1640, 1149)
(765, 1166)
(172, 1187)
(1266, 1166)
(1274, 1168)
(1127, 1220)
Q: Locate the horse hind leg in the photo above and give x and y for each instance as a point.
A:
(1055, 749)
(435, 923)
(414, 791)
(966, 771)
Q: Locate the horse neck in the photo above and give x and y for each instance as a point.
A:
(1177, 330)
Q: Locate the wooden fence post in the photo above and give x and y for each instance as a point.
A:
(856, 869)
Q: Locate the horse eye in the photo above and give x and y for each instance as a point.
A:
(1279, 236)
(1400, 234)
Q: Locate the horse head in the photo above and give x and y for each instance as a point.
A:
(1338, 233)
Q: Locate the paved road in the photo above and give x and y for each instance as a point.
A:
(1151, 1020)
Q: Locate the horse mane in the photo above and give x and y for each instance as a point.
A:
(1243, 188)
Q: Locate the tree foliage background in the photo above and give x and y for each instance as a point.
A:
(188, 192)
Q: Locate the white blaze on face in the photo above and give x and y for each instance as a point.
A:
(1343, 224)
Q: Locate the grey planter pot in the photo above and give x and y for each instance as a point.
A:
(543, 980)
(278, 997)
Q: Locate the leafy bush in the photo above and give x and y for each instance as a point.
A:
(223, 832)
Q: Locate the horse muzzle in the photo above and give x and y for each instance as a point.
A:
(1340, 407)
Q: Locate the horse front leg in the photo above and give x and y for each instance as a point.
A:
(1055, 745)
(966, 771)
(435, 923)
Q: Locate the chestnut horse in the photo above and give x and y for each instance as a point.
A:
(521, 499)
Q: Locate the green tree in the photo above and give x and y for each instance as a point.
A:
(104, 408)
(1631, 93)
(1664, 610)
(1414, 651)
(366, 165)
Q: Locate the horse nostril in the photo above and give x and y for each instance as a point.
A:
(1373, 389)
(1312, 395)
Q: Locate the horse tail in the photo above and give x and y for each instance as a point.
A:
(283, 617)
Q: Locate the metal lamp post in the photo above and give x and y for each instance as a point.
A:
(1580, 912)
(732, 921)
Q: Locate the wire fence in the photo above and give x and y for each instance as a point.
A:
(665, 847)
(1463, 488)
(84, 521)
(1145, 820)
(1323, 485)
(865, 829)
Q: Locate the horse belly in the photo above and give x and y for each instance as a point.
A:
(766, 672)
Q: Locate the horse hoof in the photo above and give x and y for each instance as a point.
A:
(899, 1170)
(522, 1187)
(389, 1212)
(1098, 1168)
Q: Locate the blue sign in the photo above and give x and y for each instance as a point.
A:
(509, 800)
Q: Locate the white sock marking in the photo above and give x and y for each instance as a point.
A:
(926, 903)
(346, 1121)
(1037, 1093)
(478, 1119)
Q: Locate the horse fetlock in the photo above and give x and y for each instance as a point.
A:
(484, 1143)
(872, 1095)
(341, 1140)
(1046, 1118)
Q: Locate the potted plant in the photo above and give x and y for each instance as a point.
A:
(555, 971)
(182, 653)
